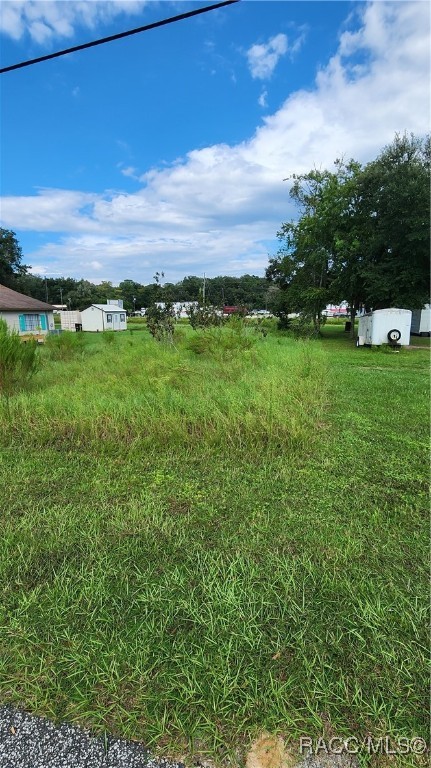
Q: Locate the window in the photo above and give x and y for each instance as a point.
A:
(122, 318)
(109, 318)
(31, 322)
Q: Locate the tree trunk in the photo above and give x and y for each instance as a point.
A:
(353, 311)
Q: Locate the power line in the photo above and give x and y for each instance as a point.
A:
(118, 36)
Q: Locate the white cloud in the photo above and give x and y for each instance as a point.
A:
(39, 269)
(262, 100)
(217, 209)
(45, 20)
(263, 58)
(131, 172)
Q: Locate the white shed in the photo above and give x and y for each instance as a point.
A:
(104, 317)
(384, 326)
(421, 321)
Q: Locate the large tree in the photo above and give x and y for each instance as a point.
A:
(395, 204)
(11, 265)
(362, 235)
(302, 267)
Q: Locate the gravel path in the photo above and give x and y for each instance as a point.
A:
(33, 742)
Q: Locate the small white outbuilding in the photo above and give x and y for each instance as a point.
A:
(70, 320)
(384, 326)
(421, 321)
(104, 317)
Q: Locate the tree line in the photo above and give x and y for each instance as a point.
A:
(363, 235)
(250, 291)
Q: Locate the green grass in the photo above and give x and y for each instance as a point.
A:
(196, 547)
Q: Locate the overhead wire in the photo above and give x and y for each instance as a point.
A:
(118, 36)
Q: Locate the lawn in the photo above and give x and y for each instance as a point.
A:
(202, 543)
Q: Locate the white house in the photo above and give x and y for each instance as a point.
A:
(104, 317)
(27, 316)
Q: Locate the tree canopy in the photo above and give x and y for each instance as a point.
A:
(362, 235)
(11, 265)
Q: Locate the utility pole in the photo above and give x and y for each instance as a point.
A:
(203, 291)
(61, 296)
(46, 290)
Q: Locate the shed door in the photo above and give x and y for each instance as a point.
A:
(116, 321)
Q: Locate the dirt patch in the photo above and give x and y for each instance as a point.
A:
(269, 751)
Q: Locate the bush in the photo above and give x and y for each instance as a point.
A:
(234, 337)
(204, 317)
(299, 327)
(161, 322)
(65, 346)
(18, 360)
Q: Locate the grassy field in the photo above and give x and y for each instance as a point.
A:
(202, 543)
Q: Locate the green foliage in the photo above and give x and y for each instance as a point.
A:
(362, 235)
(10, 258)
(18, 361)
(109, 337)
(248, 290)
(161, 322)
(223, 342)
(204, 317)
(65, 345)
(395, 205)
(302, 266)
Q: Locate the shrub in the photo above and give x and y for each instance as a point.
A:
(161, 322)
(204, 317)
(18, 360)
(234, 337)
(65, 346)
(300, 327)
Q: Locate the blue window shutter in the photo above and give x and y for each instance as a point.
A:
(22, 322)
(42, 319)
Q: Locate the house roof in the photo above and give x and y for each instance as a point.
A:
(13, 300)
(109, 308)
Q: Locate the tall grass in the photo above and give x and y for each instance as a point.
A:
(197, 547)
(18, 361)
(263, 398)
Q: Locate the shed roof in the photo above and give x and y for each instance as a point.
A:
(108, 308)
(12, 300)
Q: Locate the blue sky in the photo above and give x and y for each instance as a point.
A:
(167, 150)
